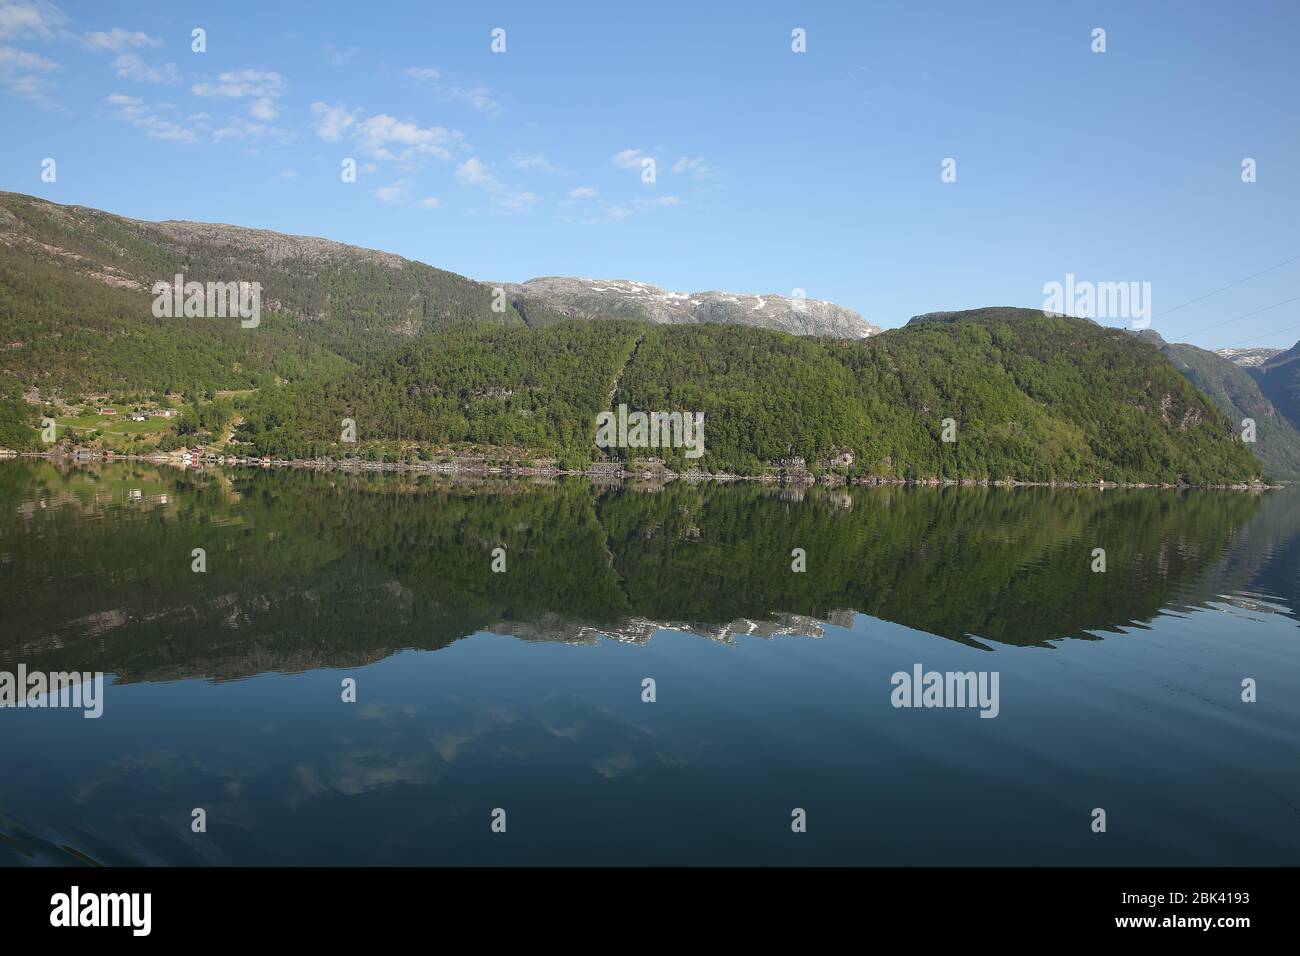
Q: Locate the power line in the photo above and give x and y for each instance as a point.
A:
(1291, 328)
(1246, 316)
(1229, 286)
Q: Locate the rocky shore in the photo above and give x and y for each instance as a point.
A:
(653, 471)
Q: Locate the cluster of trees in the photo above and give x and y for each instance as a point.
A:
(1029, 397)
(527, 391)
(18, 419)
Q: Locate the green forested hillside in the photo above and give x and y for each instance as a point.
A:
(1239, 395)
(420, 361)
(75, 307)
(1033, 398)
(533, 391)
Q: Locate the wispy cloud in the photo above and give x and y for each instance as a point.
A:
(473, 172)
(130, 66)
(261, 88)
(240, 84)
(35, 19)
(263, 109)
(332, 121)
(696, 167)
(117, 40)
(11, 58)
(24, 74)
(583, 192)
(137, 112)
(629, 159)
(534, 161)
(339, 56)
(385, 137)
(481, 98)
(238, 128)
(634, 206)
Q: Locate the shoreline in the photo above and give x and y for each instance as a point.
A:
(616, 472)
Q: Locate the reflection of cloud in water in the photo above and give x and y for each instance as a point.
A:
(616, 765)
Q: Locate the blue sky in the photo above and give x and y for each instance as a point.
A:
(775, 170)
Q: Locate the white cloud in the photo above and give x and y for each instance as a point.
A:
(629, 159)
(515, 201)
(474, 173)
(479, 97)
(583, 192)
(29, 19)
(535, 161)
(238, 84)
(694, 166)
(263, 109)
(237, 127)
(658, 201)
(289, 174)
(385, 137)
(130, 66)
(116, 40)
(340, 57)
(390, 194)
(130, 109)
(19, 71)
(332, 121)
(624, 210)
(12, 58)
(430, 202)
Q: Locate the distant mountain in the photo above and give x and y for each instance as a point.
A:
(1247, 358)
(1279, 380)
(552, 298)
(1235, 387)
(425, 360)
(75, 303)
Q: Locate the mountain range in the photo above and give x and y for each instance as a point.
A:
(430, 363)
(553, 297)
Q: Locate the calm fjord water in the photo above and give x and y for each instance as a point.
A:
(522, 690)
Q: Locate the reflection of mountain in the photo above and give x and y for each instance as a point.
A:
(556, 627)
(1261, 571)
(309, 570)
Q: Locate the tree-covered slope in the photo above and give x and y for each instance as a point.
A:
(1233, 388)
(525, 391)
(1031, 397)
(75, 302)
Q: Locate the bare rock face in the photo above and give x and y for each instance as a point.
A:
(271, 246)
(626, 298)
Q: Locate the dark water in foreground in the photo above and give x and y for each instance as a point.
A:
(522, 690)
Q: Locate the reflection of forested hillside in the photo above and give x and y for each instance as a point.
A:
(313, 569)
